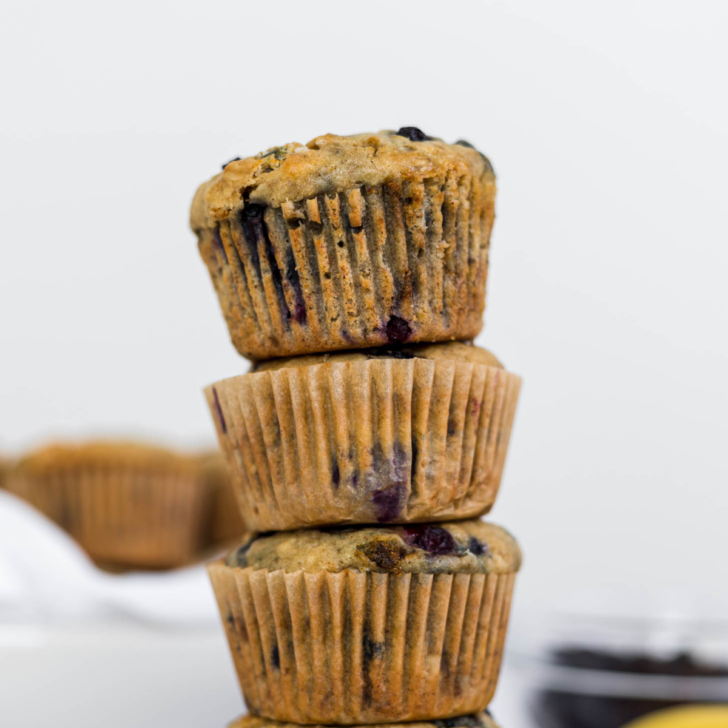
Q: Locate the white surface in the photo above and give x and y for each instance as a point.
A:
(45, 576)
(606, 125)
(118, 675)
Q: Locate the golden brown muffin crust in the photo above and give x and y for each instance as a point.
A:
(467, 547)
(327, 164)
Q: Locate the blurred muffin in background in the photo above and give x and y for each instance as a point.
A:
(127, 504)
(225, 521)
(5, 464)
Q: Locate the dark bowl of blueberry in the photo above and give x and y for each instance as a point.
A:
(608, 669)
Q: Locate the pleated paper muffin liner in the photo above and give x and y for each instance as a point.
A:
(362, 647)
(405, 261)
(123, 517)
(385, 440)
(481, 720)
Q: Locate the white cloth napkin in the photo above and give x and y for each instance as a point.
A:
(45, 575)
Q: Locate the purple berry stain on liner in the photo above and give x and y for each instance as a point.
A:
(255, 230)
(335, 473)
(398, 330)
(433, 539)
(299, 307)
(218, 411)
(388, 503)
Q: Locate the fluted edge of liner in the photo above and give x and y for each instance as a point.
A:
(404, 261)
(361, 647)
(123, 517)
(374, 441)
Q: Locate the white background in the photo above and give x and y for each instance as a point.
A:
(606, 123)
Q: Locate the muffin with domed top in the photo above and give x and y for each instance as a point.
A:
(369, 624)
(349, 242)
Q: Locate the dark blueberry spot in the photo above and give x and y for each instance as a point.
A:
(477, 548)
(340, 243)
(389, 352)
(252, 212)
(275, 657)
(231, 621)
(398, 329)
(316, 228)
(414, 458)
(386, 553)
(371, 648)
(413, 134)
(239, 556)
(433, 539)
(355, 480)
(299, 308)
(237, 159)
(335, 474)
(464, 721)
(357, 229)
(450, 428)
(294, 223)
(388, 503)
(299, 313)
(218, 411)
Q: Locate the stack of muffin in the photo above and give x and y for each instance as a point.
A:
(369, 435)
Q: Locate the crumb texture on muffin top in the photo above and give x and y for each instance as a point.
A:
(467, 547)
(330, 164)
(448, 350)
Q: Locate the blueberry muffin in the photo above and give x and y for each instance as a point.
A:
(5, 467)
(481, 720)
(349, 242)
(394, 435)
(127, 504)
(226, 523)
(371, 624)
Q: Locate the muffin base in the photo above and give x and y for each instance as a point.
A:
(123, 518)
(399, 262)
(481, 720)
(373, 441)
(361, 647)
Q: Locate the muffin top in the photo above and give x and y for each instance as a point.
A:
(331, 164)
(104, 454)
(482, 720)
(461, 547)
(449, 350)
